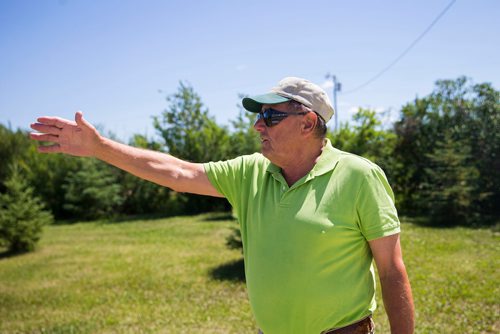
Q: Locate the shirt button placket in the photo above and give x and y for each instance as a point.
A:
(284, 193)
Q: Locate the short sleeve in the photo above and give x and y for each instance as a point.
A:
(228, 176)
(375, 207)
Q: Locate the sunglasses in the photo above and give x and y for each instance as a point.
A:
(273, 117)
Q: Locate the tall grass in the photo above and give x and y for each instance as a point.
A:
(176, 276)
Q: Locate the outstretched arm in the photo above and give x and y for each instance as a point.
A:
(80, 138)
(396, 289)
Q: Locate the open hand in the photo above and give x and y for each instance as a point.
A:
(77, 138)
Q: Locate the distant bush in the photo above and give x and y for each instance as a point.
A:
(446, 155)
(22, 215)
(92, 192)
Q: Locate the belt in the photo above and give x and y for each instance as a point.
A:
(365, 326)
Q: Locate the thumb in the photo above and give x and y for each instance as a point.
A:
(80, 121)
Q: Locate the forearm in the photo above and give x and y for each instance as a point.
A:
(80, 138)
(398, 301)
(156, 167)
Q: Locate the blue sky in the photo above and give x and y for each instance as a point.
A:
(110, 58)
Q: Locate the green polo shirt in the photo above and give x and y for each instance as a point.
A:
(308, 265)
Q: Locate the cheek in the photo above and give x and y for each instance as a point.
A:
(282, 141)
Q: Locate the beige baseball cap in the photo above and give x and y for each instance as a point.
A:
(297, 89)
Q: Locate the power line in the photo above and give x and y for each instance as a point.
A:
(375, 77)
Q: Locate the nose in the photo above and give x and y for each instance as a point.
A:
(259, 125)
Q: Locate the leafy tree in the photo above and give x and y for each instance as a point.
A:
(485, 145)
(22, 214)
(144, 142)
(190, 133)
(243, 139)
(469, 115)
(366, 138)
(93, 191)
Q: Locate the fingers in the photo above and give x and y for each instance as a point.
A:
(49, 129)
(49, 149)
(58, 131)
(44, 137)
(55, 121)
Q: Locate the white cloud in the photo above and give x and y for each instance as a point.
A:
(328, 84)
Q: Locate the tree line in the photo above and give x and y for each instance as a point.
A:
(442, 157)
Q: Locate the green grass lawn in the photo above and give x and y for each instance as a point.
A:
(176, 276)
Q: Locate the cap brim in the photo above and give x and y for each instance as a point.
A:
(254, 103)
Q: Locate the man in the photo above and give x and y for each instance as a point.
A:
(312, 217)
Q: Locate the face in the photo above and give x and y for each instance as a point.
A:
(280, 141)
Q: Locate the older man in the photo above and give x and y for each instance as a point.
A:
(312, 217)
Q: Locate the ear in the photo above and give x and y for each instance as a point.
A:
(309, 123)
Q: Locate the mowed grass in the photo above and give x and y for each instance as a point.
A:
(131, 277)
(175, 275)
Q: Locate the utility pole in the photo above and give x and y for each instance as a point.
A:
(337, 87)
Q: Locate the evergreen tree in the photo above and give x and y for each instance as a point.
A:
(145, 197)
(22, 215)
(13, 148)
(451, 187)
(93, 191)
(461, 121)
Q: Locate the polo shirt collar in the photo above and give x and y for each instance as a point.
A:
(326, 162)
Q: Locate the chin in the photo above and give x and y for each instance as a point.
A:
(267, 153)
(264, 151)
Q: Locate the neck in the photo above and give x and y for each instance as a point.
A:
(301, 163)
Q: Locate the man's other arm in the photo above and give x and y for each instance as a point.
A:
(396, 289)
(80, 138)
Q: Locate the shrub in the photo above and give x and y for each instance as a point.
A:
(22, 215)
(92, 192)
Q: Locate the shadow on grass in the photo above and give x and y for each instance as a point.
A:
(5, 254)
(219, 216)
(206, 217)
(430, 222)
(232, 271)
(118, 219)
(138, 217)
